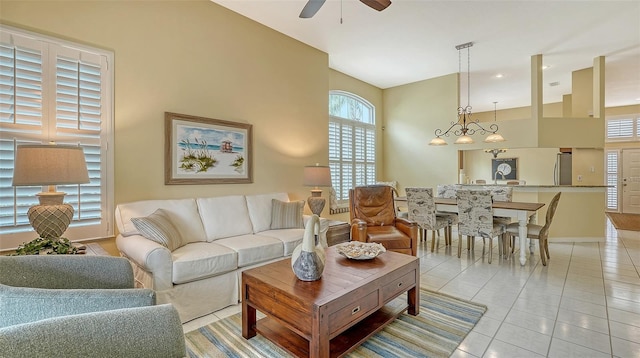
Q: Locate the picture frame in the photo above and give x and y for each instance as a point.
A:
(507, 166)
(201, 150)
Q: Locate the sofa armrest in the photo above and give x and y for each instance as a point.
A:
(66, 271)
(153, 331)
(409, 228)
(149, 256)
(23, 304)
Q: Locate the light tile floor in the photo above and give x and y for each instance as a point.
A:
(584, 303)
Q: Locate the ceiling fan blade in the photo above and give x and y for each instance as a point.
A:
(377, 4)
(311, 8)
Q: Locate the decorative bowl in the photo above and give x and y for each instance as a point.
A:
(357, 250)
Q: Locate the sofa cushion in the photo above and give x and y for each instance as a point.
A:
(224, 216)
(158, 227)
(286, 215)
(184, 215)
(253, 249)
(290, 238)
(201, 260)
(259, 207)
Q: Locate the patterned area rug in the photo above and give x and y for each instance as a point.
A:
(629, 222)
(443, 323)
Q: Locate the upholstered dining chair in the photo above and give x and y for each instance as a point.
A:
(475, 218)
(541, 233)
(82, 306)
(373, 219)
(422, 210)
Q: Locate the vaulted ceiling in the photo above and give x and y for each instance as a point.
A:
(414, 40)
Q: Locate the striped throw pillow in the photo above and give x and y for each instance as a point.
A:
(159, 228)
(286, 215)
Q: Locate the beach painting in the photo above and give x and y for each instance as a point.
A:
(206, 151)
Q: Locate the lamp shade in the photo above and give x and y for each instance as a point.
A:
(49, 165)
(317, 175)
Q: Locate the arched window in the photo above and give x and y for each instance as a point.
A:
(352, 145)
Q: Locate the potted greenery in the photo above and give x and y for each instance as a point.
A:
(48, 246)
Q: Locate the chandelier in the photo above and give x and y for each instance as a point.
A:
(465, 127)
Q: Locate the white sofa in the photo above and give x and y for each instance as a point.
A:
(225, 236)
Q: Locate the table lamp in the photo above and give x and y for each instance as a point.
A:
(50, 165)
(316, 176)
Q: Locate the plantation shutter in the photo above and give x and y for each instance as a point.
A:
(612, 180)
(620, 128)
(351, 143)
(55, 91)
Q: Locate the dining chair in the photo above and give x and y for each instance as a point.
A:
(475, 218)
(541, 233)
(422, 210)
(500, 193)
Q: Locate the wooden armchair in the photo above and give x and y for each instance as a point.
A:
(373, 219)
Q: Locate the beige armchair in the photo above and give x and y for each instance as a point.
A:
(373, 219)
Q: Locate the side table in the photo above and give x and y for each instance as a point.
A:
(338, 232)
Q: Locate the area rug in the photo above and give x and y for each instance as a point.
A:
(630, 222)
(444, 321)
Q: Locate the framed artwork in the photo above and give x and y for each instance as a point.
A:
(504, 168)
(206, 151)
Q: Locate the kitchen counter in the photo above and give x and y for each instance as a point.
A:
(580, 215)
(548, 188)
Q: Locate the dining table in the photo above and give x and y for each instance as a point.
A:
(524, 212)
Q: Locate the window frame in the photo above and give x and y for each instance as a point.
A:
(366, 128)
(53, 52)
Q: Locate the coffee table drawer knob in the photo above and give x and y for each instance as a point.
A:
(355, 310)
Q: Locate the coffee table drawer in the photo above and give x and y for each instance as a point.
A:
(353, 311)
(398, 286)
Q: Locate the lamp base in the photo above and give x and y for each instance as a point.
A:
(50, 221)
(316, 204)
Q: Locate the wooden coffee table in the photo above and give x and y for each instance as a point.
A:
(332, 316)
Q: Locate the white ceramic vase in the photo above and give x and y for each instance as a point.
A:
(307, 260)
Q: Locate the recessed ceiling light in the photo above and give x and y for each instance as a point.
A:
(499, 75)
(545, 67)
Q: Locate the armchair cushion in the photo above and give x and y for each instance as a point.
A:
(153, 331)
(374, 205)
(26, 304)
(389, 236)
(159, 228)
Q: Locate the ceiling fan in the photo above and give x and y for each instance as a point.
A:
(313, 6)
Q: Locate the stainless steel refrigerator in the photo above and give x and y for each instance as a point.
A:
(562, 169)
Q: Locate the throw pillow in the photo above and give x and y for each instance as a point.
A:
(159, 228)
(286, 215)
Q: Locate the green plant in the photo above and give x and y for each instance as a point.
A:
(47, 246)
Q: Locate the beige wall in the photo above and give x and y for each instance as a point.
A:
(535, 165)
(582, 93)
(197, 58)
(412, 113)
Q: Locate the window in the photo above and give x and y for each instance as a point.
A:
(612, 179)
(625, 128)
(55, 91)
(352, 144)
